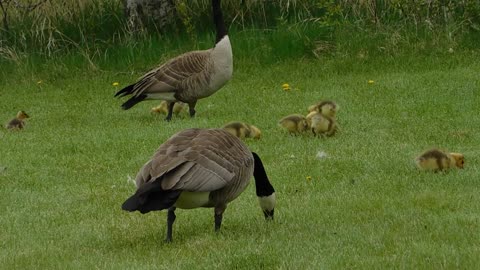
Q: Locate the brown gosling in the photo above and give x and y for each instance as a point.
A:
(163, 108)
(437, 160)
(18, 122)
(328, 108)
(255, 132)
(243, 130)
(294, 123)
(321, 124)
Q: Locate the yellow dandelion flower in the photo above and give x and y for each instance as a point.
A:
(309, 178)
(371, 81)
(115, 84)
(285, 85)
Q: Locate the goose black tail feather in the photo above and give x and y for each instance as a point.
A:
(125, 91)
(151, 198)
(132, 101)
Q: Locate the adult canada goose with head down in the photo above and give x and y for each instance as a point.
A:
(188, 77)
(18, 122)
(199, 168)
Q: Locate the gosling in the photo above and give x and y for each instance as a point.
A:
(163, 108)
(18, 122)
(294, 123)
(328, 108)
(321, 125)
(243, 130)
(437, 160)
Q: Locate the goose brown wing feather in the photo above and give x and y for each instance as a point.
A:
(197, 160)
(173, 74)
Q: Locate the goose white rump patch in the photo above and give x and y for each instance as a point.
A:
(189, 200)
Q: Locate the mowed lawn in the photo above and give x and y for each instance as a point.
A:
(64, 178)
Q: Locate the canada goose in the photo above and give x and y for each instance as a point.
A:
(326, 107)
(243, 130)
(321, 124)
(163, 108)
(199, 168)
(18, 122)
(436, 160)
(188, 77)
(294, 123)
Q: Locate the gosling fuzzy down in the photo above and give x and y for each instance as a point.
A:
(321, 124)
(18, 122)
(162, 108)
(327, 107)
(437, 160)
(243, 130)
(294, 123)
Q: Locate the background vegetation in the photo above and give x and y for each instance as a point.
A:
(97, 31)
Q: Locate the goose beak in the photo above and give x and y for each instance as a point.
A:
(267, 203)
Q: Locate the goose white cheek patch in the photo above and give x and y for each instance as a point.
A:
(267, 202)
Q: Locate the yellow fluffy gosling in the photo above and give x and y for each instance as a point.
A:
(321, 124)
(437, 160)
(163, 108)
(243, 130)
(294, 123)
(328, 108)
(18, 122)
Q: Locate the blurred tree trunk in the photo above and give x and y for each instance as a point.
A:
(141, 13)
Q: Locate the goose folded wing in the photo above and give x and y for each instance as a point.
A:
(195, 177)
(170, 75)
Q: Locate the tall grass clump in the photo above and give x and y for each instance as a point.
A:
(95, 34)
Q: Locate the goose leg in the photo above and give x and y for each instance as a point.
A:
(219, 216)
(191, 108)
(170, 219)
(170, 111)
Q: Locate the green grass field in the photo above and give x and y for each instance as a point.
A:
(64, 177)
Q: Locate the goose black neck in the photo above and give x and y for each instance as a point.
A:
(218, 20)
(262, 184)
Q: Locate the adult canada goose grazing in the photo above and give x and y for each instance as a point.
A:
(188, 77)
(199, 168)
